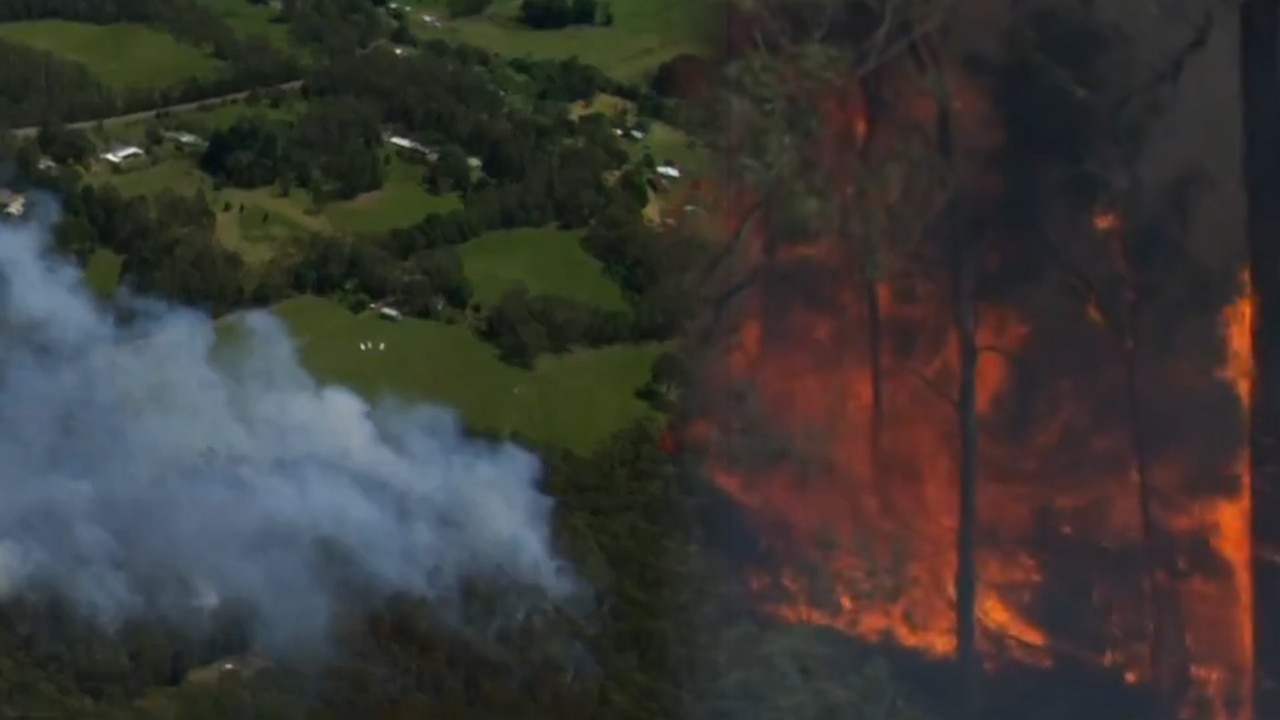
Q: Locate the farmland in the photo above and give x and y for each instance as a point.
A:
(573, 400)
(544, 260)
(124, 56)
(645, 33)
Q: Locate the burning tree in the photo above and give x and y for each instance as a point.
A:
(985, 468)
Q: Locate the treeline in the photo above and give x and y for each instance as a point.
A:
(335, 27)
(556, 14)
(67, 91)
(534, 167)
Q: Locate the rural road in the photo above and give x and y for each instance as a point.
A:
(148, 114)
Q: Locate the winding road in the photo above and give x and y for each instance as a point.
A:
(148, 114)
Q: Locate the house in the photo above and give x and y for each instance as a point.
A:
(390, 313)
(121, 154)
(186, 138)
(668, 171)
(12, 204)
(413, 146)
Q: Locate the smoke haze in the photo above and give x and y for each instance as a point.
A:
(131, 456)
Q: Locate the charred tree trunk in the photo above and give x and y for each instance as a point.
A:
(962, 268)
(1167, 650)
(1260, 91)
(875, 352)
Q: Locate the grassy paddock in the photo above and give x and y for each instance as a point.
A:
(255, 222)
(249, 19)
(575, 400)
(124, 56)
(645, 34)
(401, 202)
(546, 260)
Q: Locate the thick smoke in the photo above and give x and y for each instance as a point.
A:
(131, 456)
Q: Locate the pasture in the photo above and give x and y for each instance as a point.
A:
(124, 56)
(666, 144)
(545, 260)
(254, 222)
(645, 34)
(575, 400)
(250, 19)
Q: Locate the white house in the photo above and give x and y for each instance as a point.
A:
(123, 153)
(12, 204)
(186, 138)
(405, 143)
(668, 171)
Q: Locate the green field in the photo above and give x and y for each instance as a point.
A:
(124, 56)
(547, 261)
(575, 400)
(645, 34)
(253, 222)
(249, 19)
(401, 202)
(102, 273)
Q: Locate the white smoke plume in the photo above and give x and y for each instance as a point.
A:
(131, 454)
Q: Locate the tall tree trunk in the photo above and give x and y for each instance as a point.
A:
(962, 268)
(1167, 650)
(875, 353)
(1260, 91)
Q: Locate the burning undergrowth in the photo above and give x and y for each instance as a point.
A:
(1111, 515)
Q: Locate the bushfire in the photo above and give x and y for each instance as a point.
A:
(842, 446)
(834, 425)
(848, 464)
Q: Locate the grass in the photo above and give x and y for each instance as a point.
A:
(547, 261)
(102, 272)
(401, 202)
(645, 34)
(575, 400)
(665, 143)
(254, 222)
(250, 19)
(124, 56)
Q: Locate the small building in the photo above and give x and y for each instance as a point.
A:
(410, 145)
(186, 138)
(390, 313)
(668, 171)
(12, 204)
(120, 155)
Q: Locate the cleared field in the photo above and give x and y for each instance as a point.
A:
(401, 202)
(546, 260)
(102, 272)
(254, 222)
(250, 19)
(124, 56)
(645, 34)
(575, 400)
